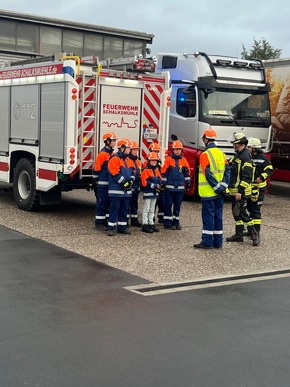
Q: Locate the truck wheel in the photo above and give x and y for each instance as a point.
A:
(24, 185)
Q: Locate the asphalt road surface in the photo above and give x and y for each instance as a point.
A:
(68, 320)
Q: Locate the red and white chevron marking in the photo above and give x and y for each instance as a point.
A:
(151, 111)
(87, 131)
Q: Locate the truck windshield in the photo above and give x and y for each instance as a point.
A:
(240, 107)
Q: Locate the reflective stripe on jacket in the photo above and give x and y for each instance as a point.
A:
(175, 173)
(121, 170)
(150, 178)
(100, 170)
(242, 173)
(262, 169)
(216, 160)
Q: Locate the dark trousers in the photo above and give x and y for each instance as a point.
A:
(102, 206)
(172, 205)
(254, 209)
(243, 218)
(160, 206)
(119, 207)
(133, 207)
(212, 222)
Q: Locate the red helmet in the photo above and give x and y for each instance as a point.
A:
(152, 156)
(154, 146)
(124, 142)
(135, 145)
(210, 134)
(177, 145)
(110, 136)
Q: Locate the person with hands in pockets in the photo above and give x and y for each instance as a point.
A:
(121, 180)
(175, 179)
(213, 180)
(151, 182)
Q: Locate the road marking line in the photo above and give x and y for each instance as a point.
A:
(154, 289)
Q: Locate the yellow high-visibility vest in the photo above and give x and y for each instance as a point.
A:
(217, 167)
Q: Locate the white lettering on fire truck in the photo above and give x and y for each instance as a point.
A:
(30, 72)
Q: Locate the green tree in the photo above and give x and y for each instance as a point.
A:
(261, 49)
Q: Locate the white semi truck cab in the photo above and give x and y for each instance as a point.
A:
(224, 93)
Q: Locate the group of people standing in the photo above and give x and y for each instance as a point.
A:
(244, 178)
(119, 177)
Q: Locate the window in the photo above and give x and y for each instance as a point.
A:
(113, 47)
(94, 45)
(27, 37)
(132, 47)
(243, 107)
(50, 41)
(73, 42)
(186, 102)
(7, 35)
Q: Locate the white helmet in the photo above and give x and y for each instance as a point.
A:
(254, 143)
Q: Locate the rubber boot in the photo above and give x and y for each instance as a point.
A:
(256, 241)
(235, 238)
(247, 233)
(254, 235)
(238, 236)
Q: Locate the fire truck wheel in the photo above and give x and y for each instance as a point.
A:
(24, 185)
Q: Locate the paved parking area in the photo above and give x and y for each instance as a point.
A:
(67, 321)
(163, 257)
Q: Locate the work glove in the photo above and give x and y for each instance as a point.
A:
(187, 187)
(254, 195)
(127, 185)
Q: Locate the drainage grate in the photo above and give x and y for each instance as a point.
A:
(155, 289)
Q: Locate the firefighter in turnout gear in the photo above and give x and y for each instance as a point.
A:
(263, 171)
(240, 188)
(213, 180)
(101, 180)
(175, 178)
(133, 208)
(121, 180)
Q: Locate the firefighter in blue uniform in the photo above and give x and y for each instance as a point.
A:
(213, 180)
(121, 180)
(101, 180)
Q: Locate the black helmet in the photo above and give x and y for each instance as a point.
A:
(239, 138)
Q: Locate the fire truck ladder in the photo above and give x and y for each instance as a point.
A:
(88, 124)
(136, 63)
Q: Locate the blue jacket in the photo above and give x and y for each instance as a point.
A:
(150, 178)
(175, 173)
(121, 170)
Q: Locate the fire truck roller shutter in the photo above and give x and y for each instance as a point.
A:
(4, 114)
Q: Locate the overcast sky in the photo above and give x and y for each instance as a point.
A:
(179, 26)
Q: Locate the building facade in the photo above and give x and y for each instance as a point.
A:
(28, 36)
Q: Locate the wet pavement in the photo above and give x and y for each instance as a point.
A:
(67, 321)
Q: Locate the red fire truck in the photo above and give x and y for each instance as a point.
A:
(54, 113)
